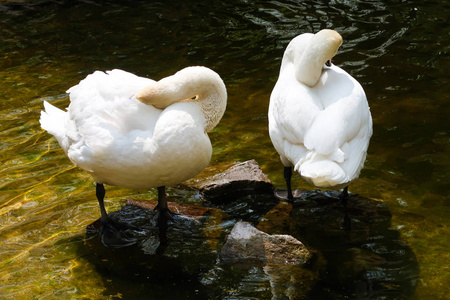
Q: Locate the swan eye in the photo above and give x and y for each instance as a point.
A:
(328, 63)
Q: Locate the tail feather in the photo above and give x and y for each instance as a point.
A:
(321, 171)
(53, 120)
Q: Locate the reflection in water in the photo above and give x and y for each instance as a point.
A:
(149, 269)
(365, 257)
(398, 51)
(368, 260)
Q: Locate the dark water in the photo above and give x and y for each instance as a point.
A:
(398, 51)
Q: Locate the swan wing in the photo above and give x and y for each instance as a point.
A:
(338, 136)
(104, 118)
(293, 108)
(345, 115)
(291, 111)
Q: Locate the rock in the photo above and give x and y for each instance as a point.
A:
(183, 209)
(240, 179)
(291, 268)
(190, 222)
(356, 262)
(291, 282)
(243, 242)
(246, 242)
(348, 247)
(277, 220)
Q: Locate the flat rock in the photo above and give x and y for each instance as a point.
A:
(183, 209)
(240, 179)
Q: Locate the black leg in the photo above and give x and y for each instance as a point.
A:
(344, 199)
(113, 233)
(164, 214)
(287, 177)
(100, 192)
(162, 199)
(344, 196)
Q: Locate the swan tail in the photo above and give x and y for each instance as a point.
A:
(321, 171)
(53, 120)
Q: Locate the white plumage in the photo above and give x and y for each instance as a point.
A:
(122, 141)
(137, 133)
(319, 118)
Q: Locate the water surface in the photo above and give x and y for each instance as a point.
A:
(397, 50)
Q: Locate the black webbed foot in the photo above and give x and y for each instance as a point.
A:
(284, 195)
(163, 215)
(114, 234)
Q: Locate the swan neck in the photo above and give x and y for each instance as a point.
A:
(192, 84)
(211, 94)
(321, 47)
(309, 70)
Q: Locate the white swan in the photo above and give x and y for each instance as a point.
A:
(137, 133)
(319, 118)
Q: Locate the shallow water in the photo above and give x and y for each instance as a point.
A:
(398, 51)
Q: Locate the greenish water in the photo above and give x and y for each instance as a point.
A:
(398, 51)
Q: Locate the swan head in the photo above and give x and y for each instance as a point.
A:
(164, 92)
(196, 84)
(314, 51)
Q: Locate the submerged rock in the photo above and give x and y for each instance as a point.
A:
(290, 267)
(190, 223)
(240, 179)
(247, 242)
(277, 219)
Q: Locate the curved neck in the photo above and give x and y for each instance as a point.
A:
(309, 67)
(197, 84)
(294, 51)
(309, 53)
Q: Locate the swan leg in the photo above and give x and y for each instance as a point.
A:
(113, 234)
(100, 193)
(287, 178)
(344, 196)
(164, 213)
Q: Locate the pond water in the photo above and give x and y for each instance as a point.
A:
(397, 50)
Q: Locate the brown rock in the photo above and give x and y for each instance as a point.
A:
(238, 180)
(277, 219)
(292, 269)
(184, 209)
(247, 242)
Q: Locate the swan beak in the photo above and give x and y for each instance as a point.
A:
(328, 63)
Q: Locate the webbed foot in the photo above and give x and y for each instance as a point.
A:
(163, 215)
(114, 234)
(284, 195)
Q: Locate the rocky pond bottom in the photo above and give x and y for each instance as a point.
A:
(243, 242)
